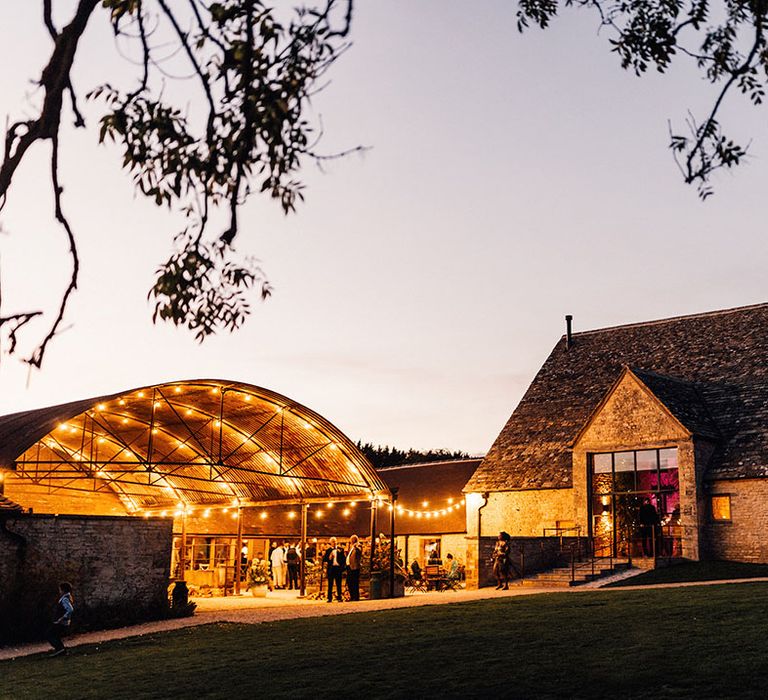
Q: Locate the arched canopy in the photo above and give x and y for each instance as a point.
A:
(198, 442)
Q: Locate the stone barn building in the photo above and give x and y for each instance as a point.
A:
(661, 424)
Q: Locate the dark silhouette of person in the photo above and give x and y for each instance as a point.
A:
(500, 556)
(649, 524)
(335, 561)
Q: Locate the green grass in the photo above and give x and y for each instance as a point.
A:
(695, 571)
(698, 642)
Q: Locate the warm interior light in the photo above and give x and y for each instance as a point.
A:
(424, 504)
(450, 500)
(163, 513)
(347, 512)
(177, 389)
(141, 394)
(206, 512)
(263, 515)
(292, 515)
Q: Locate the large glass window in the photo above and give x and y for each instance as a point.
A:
(635, 502)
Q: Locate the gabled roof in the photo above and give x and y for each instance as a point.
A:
(710, 370)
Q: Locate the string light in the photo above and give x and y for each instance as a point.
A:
(263, 515)
(292, 514)
(347, 512)
(141, 394)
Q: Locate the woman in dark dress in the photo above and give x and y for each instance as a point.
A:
(501, 561)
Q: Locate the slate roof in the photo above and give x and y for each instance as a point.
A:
(709, 369)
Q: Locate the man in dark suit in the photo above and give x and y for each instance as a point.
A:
(335, 560)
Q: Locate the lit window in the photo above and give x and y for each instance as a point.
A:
(721, 508)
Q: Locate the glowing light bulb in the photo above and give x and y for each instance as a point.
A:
(329, 505)
(157, 404)
(218, 423)
(207, 513)
(177, 389)
(102, 440)
(247, 397)
(215, 390)
(125, 420)
(154, 431)
(263, 515)
(141, 394)
(424, 504)
(347, 512)
(101, 407)
(450, 500)
(163, 513)
(353, 504)
(291, 515)
(121, 402)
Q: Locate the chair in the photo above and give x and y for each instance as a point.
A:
(434, 577)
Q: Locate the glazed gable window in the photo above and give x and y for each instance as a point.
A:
(721, 508)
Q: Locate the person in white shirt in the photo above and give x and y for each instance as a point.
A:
(279, 566)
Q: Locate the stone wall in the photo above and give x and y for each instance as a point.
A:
(520, 513)
(745, 537)
(118, 567)
(529, 555)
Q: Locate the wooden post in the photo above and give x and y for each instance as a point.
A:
(183, 548)
(392, 543)
(238, 549)
(302, 571)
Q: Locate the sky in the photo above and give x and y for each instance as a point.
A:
(509, 180)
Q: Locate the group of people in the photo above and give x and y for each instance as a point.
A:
(452, 567)
(336, 561)
(284, 564)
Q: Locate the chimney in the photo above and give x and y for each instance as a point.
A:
(568, 332)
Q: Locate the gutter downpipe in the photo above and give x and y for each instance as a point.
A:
(480, 516)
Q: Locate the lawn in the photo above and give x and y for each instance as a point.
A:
(696, 571)
(696, 642)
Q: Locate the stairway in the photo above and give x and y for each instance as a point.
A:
(561, 576)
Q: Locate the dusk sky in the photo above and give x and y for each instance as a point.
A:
(510, 180)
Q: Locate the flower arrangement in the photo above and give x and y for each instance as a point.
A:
(258, 573)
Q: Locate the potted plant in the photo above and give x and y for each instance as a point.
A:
(258, 578)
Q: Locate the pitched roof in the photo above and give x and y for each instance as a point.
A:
(434, 482)
(9, 506)
(710, 370)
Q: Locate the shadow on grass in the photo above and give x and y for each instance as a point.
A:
(673, 643)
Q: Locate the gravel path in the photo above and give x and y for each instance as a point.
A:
(282, 606)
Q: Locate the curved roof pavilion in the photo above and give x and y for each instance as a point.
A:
(202, 442)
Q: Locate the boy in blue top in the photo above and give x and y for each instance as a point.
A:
(64, 609)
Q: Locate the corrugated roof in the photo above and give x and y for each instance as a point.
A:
(712, 371)
(194, 441)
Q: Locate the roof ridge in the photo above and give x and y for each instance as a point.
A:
(672, 319)
(429, 464)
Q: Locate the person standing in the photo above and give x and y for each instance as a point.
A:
(277, 559)
(501, 561)
(292, 559)
(63, 618)
(354, 559)
(334, 561)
